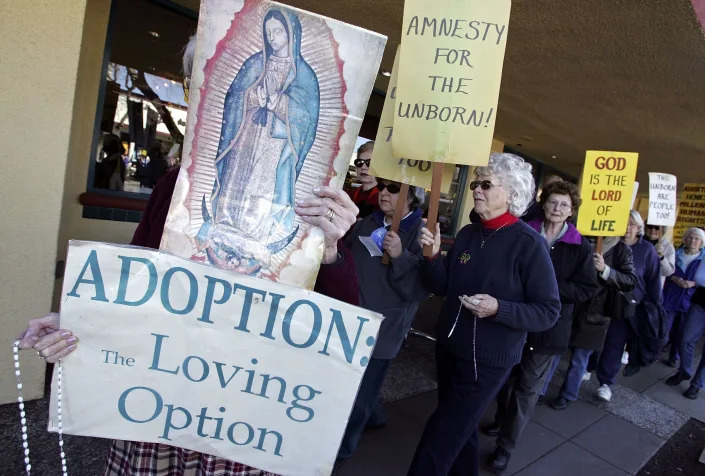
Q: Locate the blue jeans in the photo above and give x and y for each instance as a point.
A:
(578, 364)
(551, 371)
(693, 329)
(611, 356)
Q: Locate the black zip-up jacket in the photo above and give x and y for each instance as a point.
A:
(610, 302)
(577, 282)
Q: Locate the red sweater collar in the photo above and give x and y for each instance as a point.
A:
(500, 221)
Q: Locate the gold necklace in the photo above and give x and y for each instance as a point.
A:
(482, 245)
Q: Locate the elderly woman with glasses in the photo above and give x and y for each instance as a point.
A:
(499, 284)
(571, 255)
(394, 290)
(366, 196)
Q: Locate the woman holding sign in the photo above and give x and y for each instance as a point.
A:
(328, 208)
(499, 284)
(393, 290)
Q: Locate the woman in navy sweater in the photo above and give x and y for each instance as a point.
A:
(499, 284)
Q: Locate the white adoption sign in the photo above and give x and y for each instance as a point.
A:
(180, 353)
(662, 199)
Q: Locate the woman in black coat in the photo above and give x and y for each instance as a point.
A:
(571, 255)
(615, 277)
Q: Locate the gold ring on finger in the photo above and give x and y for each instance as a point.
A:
(330, 214)
(39, 353)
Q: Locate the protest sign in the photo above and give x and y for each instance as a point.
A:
(662, 199)
(634, 193)
(449, 77)
(385, 165)
(180, 353)
(691, 212)
(607, 188)
(277, 100)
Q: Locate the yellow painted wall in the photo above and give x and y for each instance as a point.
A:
(40, 44)
(73, 225)
(468, 203)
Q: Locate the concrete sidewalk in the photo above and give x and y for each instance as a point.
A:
(587, 438)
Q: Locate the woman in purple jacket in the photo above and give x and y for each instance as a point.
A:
(680, 286)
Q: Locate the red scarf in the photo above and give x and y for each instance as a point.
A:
(503, 220)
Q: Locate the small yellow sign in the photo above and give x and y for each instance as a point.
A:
(385, 165)
(691, 212)
(449, 77)
(608, 183)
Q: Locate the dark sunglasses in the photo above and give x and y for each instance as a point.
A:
(483, 184)
(360, 162)
(391, 187)
(653, 227)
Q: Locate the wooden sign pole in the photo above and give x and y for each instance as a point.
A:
(436, 181)
(599, 244)
(396, 220)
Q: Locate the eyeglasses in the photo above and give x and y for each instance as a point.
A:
(483, 184)
(392, 187)
(360, 162)
(558, 205)
(653, 227)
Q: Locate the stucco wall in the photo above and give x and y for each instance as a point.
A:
(73, 225)
(39, 51)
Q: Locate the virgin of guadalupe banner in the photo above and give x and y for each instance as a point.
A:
(176, 352)
(277, 100)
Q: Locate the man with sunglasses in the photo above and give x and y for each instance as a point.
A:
(365, 196)
(654, 234)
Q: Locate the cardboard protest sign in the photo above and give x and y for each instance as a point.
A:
(277, 100)
(691, 212)
(662, 199)
(607, 186)
(176, 352)
(634, 194)
(449, 77)
(384, 164)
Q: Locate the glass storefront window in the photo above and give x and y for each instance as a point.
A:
(142, 114)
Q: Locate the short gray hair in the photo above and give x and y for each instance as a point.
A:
(636, 216)
(695, 231)
(515, 175)
(189, 52)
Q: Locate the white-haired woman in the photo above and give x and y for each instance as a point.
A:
(693, 323)
(499, 284)
(679, 288)
(642, 330)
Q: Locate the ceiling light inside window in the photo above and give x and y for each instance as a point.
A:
(386, 73)
(154, 34)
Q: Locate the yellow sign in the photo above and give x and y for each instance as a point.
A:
(385, 165)
(449, 76)
(608, 183)
(691, 212)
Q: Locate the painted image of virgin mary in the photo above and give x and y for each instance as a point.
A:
(270, 119)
